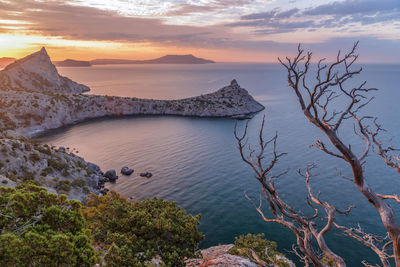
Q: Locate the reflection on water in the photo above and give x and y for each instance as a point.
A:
(196, 163)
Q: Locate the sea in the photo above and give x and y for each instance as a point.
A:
(196, 162)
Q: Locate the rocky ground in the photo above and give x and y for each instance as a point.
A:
(57, 169)
(219, 256)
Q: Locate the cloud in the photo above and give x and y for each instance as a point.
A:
(333, 15)
(350, 7)
(86, 23)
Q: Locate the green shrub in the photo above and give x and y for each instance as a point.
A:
(44, 149)
(63, 187)
(133, 233)
(246, 245)
(28, 176)
(34, 157)
(78, 183)
(46, 171)
(42, 229)
(57, 165)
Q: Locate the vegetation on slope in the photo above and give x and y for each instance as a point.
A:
(38, 228)
(259, 250)
(135, 233)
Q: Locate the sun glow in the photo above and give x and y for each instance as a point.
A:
(13, 45)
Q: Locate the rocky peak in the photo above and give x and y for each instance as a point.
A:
(43, 51)
(37, 73)
(234, 83)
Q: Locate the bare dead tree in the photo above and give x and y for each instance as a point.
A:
(303, 227)
(317, 103)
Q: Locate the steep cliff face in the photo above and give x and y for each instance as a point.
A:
(34, 97)
(36, 73)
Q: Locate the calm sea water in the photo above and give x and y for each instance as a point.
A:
(195, 162)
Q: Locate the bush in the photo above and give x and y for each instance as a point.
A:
(63, 187)
(34, 157)
(46, 171)
(42, 229)
(246, 245)
(57, 165)
(133, 233)
(78, 183)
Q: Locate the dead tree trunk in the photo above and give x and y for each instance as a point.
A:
(315, 103)
(303, 227)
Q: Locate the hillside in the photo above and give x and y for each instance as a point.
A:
(5, 61)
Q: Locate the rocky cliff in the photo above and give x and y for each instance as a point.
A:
(36, 73)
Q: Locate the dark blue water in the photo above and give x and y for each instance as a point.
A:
(196, 163)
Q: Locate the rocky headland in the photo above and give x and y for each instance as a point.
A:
(35, 98)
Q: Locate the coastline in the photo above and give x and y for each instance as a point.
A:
(39, 132)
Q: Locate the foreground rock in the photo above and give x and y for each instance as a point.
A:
(34, 98)
(219, 256)
(126, 171)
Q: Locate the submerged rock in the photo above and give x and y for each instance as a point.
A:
(146, 174)
(126, 171)
(111, 175)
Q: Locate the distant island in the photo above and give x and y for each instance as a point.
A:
(72, 63)
(168, 59)
(5, 61)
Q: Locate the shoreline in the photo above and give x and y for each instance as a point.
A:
(39, 132)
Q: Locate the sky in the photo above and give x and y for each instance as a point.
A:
(222, 30)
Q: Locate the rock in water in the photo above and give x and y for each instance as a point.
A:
(146, 174)
(126, 171)
(111, 175)
(93, 167)
(36, 73)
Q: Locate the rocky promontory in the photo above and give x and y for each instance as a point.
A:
(35, 98)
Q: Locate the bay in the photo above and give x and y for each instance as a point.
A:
(195, 161)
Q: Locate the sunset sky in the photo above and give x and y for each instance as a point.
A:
(224, 30)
